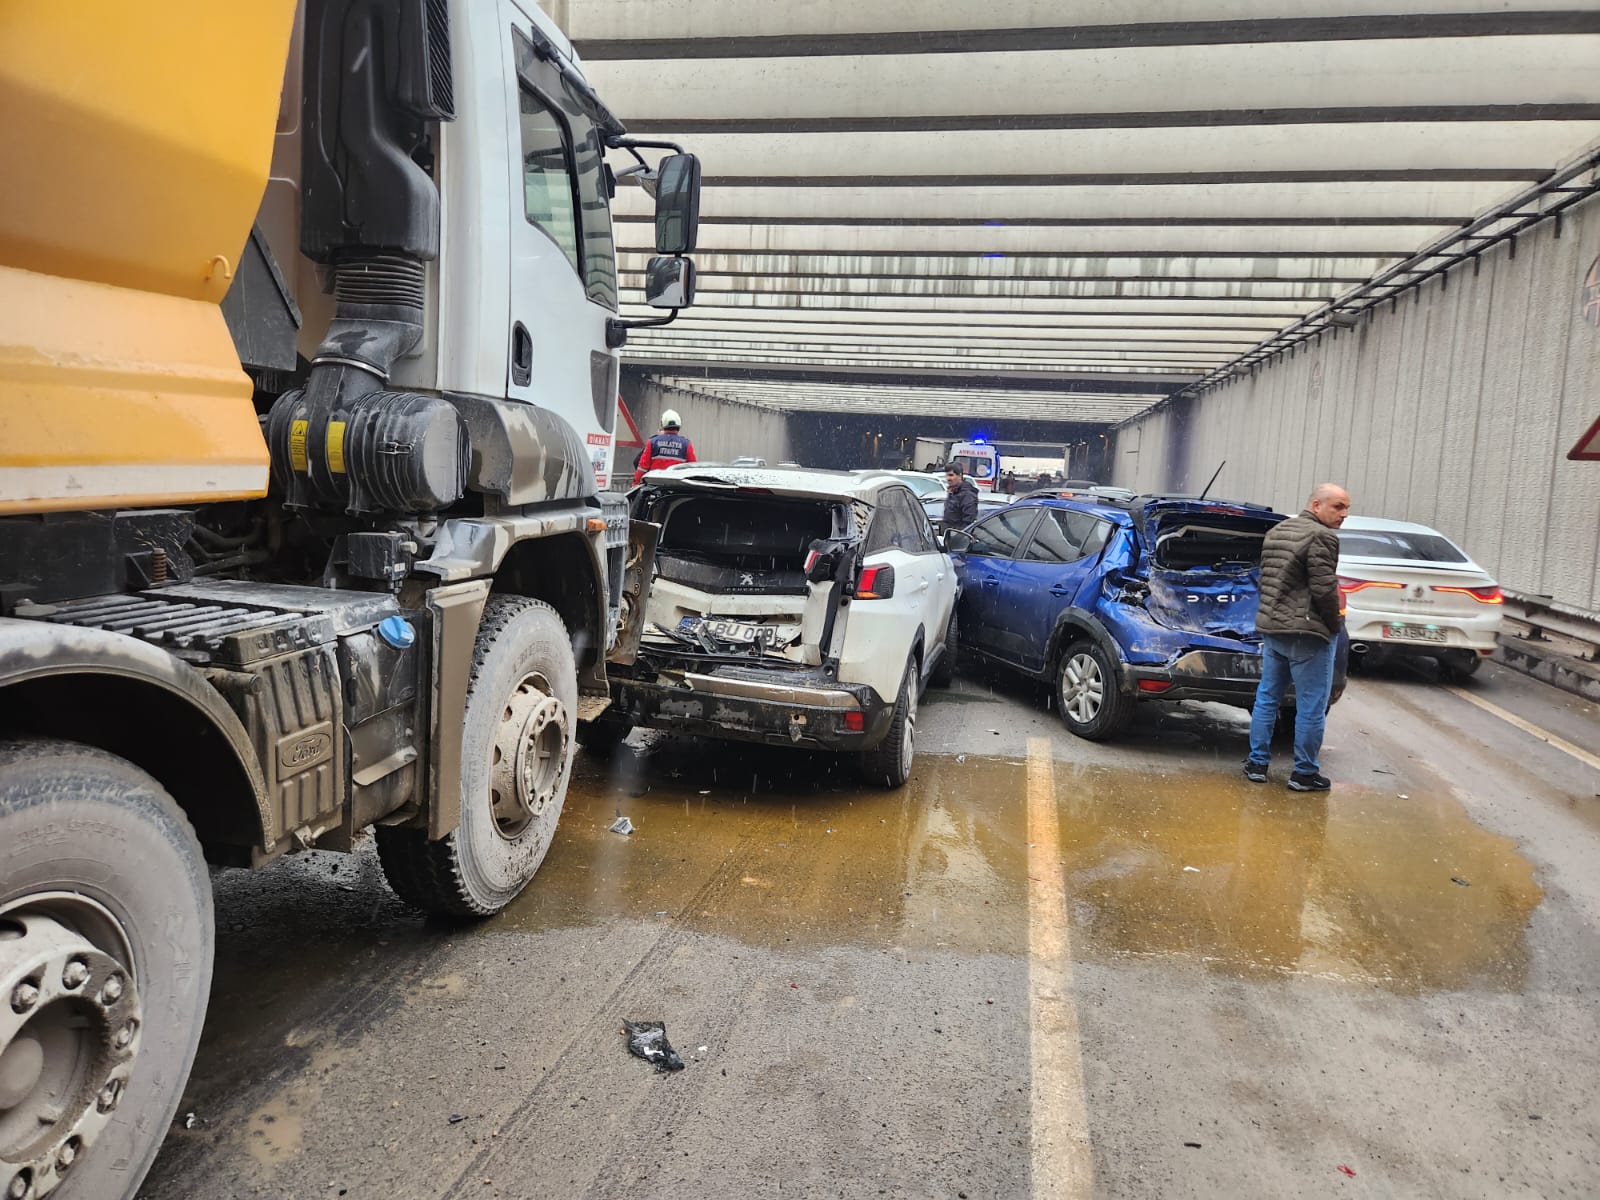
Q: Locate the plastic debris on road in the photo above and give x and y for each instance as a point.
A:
(1196, 870)
(622, 825)
(1344, 1170)
(648, 1040)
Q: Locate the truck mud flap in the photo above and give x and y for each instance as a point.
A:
(456, 611)
(636, 576)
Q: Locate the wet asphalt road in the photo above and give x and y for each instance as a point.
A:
(1045, 968)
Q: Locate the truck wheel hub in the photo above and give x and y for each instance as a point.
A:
(70, 1025)
(530, 754)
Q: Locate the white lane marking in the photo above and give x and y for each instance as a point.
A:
(1063, 1166)
(1544, 735)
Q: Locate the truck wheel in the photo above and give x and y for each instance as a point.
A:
(944, 670)
(106, 941)
(1089, 693)
(889, 762)
(603, 734)
(516, 757)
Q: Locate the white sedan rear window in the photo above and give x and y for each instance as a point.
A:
(1421, 547)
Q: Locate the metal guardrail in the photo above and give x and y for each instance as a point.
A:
(1560, 627)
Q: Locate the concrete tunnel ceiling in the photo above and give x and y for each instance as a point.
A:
(1062, 209)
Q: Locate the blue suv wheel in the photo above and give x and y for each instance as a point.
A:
(1089, 692)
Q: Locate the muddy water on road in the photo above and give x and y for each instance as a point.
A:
(1370, 886)
(1361, 885)
(812, 857)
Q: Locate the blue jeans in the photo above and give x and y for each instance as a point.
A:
(1307, 661)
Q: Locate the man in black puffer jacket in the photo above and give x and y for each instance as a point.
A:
(1299, 619)
(960, 501)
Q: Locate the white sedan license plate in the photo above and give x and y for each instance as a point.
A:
(1414, 633)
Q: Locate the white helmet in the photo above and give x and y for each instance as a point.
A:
(671, 420)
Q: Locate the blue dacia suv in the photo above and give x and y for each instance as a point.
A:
(1116, 599)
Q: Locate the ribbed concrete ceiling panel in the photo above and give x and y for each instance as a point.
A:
(1356, 81)
(1062, 208)
(597, 24)
(1512, 150)
(1397, 203)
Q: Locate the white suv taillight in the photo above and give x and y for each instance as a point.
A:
(876, 583)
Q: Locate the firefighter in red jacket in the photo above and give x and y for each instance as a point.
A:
(665, 448)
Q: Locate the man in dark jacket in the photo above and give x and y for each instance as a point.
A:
(961, 501)
(1299, 619)
(666, 448)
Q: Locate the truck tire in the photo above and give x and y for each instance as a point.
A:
(105, 933)
(889, 762)
(1089, 693)
(944, 667)
(516, 757)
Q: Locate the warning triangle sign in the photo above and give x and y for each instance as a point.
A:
(634, 438)
(1588, 447)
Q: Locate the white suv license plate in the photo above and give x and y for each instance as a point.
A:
(744, 633)
(1413, 633)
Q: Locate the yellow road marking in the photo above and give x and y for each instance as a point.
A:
(1062, 1164)
(1544, 735)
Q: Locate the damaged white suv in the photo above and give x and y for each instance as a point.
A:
(792, 607)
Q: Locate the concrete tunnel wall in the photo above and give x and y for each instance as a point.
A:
(720, 429)
(1454, 407)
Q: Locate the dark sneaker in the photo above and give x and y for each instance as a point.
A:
(1309, 783)
(1255, 772)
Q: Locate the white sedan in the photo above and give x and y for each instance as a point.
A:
(1409, 590)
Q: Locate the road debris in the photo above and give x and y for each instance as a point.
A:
(1344, 1170)
(622, 825)
(1196, 870)
(1460, 882)
(648, 1040)
(456, 1118)
(961, 758)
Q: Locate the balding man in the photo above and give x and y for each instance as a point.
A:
(1299, 619)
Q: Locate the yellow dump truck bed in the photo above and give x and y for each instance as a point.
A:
(137, 142)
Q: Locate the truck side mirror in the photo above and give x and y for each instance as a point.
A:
(669, 282)
(677, 204)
